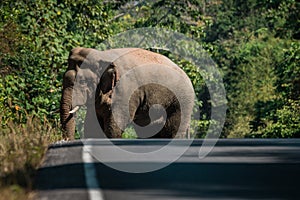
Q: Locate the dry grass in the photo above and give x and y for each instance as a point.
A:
(22, 147)
(16, 192)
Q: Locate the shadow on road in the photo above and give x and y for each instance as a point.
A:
(185, 180)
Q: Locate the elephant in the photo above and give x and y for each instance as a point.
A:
(126, 86)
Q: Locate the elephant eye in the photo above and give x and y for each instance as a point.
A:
(82, 82)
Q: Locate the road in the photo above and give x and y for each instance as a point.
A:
(234, 169)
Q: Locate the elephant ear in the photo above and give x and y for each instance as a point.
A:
(109, 79)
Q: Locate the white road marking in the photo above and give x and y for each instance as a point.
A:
(92, 184)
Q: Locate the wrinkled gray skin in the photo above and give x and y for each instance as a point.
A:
(95, 79)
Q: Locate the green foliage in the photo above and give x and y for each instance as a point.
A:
(129, 133)
(282, 122)
(37, 38)
(280, 117)
(31, 90)
(254, 42)
(288, 71)
(253, 80)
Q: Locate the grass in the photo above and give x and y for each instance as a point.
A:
(129, 133)
(22, 147)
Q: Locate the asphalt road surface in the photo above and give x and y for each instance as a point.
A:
(234, 169)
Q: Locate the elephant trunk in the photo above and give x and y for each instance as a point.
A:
(67, 118)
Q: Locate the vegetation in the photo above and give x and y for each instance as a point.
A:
(22, 146)
(255, 44)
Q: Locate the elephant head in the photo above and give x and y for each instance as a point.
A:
(80, 83)
(77, 89)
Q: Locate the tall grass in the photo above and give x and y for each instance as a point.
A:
(22, 147)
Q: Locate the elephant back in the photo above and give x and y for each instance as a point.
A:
(139, 57)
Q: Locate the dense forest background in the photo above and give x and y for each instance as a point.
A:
(255, 44)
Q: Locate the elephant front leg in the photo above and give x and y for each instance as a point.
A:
(107, 123)
(103, 106)
(111, 129)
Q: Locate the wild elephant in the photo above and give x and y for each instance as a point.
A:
(126, 86)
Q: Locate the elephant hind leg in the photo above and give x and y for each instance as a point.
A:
(171, 127)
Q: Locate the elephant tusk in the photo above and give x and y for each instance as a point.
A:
(74, 110)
